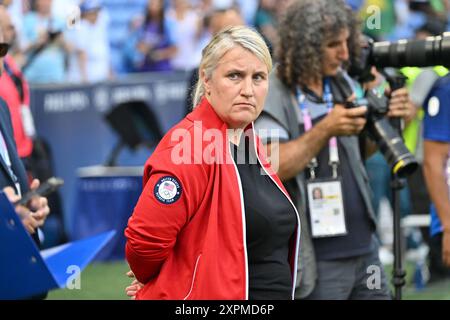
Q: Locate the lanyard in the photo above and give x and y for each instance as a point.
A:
(307, 121)
(5, 156)
(4, 151)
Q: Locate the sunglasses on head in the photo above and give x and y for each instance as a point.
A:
(4, 47)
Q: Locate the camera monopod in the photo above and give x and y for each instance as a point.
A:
(397, 81)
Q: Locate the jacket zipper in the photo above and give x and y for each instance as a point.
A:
(244, 226)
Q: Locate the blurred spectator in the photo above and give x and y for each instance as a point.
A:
(217, 20)
(266, 21)
(356, 4)
(14, 90)
(90, 59)
(436, 9)
(205, 6)
(415, 13)
(247, 8)
(42, 41)
(13, 178)
(16, 12)
(186, 28)
(64, 8)
(209, 11)
(222, 18)
(152, 45)
(125, 17)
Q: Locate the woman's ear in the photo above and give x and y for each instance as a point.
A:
(206, 82)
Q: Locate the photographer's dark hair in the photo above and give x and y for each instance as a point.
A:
(305, 28)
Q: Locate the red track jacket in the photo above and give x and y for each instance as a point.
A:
(193, 246)
(10, 93)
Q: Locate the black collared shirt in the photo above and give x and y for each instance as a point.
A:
(270, 226)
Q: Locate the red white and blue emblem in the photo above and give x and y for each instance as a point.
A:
(167, 190)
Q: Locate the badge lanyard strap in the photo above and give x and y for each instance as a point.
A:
(5, 156)
(307, 121)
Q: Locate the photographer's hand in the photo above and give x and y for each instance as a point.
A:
(293, 156)
(401, 106)
(342, 121)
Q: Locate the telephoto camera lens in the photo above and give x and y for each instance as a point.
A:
(418, 53)
(391, 145)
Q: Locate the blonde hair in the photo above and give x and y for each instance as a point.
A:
(220, 44)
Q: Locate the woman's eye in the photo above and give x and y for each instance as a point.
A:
(259, 77)
(233, 76)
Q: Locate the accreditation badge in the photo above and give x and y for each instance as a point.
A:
(326, 208)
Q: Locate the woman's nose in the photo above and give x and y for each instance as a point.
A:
(247, 87)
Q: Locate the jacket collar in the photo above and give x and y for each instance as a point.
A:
(205, 113)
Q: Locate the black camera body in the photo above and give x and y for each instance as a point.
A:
(403, 53)
(378, 126)
(377, 105)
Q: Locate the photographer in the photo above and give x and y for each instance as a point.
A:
(318, 146)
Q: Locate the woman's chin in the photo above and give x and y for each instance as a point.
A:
(241, 122)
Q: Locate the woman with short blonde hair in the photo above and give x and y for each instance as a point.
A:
(208, 226)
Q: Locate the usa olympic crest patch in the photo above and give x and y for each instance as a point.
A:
(167, 190)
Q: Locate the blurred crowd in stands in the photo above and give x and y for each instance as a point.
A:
(89, 41)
